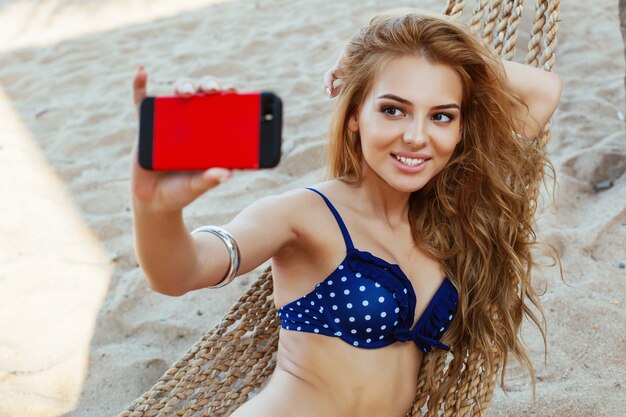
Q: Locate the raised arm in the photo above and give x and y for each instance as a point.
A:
(175, 262)
(539, 89)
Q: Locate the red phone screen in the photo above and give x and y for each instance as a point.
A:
(206, 130)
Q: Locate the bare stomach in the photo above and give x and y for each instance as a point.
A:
(319, 375)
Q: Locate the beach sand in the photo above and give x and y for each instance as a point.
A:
(82, 335)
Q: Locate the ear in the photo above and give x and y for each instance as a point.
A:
(353, 124)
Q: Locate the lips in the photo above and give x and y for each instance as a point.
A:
(410, 159)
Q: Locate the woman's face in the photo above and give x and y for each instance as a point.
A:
(410, 122)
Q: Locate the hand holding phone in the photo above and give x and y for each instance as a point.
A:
(156, 191)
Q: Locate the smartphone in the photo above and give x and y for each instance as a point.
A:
(228, 130)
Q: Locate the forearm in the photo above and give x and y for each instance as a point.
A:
(164, 249)
(540, 90)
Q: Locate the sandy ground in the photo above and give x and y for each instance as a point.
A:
(82, 335)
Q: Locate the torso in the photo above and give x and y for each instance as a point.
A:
(321, 375)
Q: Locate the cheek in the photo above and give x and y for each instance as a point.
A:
(447, 142)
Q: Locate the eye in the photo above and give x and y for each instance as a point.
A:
(443, 117)
(392, 111)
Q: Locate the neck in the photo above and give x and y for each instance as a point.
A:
(385, 202)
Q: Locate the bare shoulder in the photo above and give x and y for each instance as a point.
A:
(288, 205)
(290, 210)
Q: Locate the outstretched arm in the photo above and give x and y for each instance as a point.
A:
(175, 262)
(540, 90)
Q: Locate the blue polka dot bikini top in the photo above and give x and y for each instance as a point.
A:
(370, 303)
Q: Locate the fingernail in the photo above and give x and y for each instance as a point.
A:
(220, 174)
(185, 88)
(209, 85)
(328, 91)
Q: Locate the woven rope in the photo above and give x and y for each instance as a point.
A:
(510, 36)
(454, 8)
(235, 358)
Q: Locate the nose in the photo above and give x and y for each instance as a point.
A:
(416, 133)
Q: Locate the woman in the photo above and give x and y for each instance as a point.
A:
(424, 226)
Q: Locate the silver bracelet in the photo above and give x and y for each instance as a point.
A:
(233, 251)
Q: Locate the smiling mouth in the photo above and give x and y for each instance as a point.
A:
(411, 162)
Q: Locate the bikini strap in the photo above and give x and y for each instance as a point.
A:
(342, 225)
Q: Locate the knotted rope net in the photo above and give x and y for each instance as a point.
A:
(235, 358)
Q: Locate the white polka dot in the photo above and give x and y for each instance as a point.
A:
(326, 326)
(344, 279)
(340, 267)
(319, 296)
(346, 292)
(286, 315)
(314, 317)
(321, 309)
(368, 317)
(298, 303)
(405, 290)
(441, 330)
(299, 315)
(306, 322)
(287, 327)
(377, 285)
(395, 323)
(381, 299)
(358, 275)
(349, 305)
(383, 327)
(365, 302)
(355, 343)
(381, 337)
(353, 331)
(397, 310)
(330, 282)
(368, 340)
(383, 314)
(312, 303)
(335, 307)
(337, 333)
(307, 311)
(332, 294)
(424, 350)
(362, 288)
(336, 320)
(352, 319)
(368, 330)
(290, 309)
(450, 318)
(299, 328)
(316, 330)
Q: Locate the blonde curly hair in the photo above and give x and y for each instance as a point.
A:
(477, 215)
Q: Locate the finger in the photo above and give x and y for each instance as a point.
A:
(336, 88)
(230, 89)
(210, 178)
(185, 88)
(139, 85)
(208, 85)
(329, 78)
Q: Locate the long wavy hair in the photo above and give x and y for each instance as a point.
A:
(477, 215)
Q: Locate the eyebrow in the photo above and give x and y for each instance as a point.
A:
(407, 102)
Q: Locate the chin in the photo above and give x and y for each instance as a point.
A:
(408, 186)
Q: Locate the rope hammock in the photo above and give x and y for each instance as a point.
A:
(236, 357)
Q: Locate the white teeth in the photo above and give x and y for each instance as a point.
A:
(410, 161)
